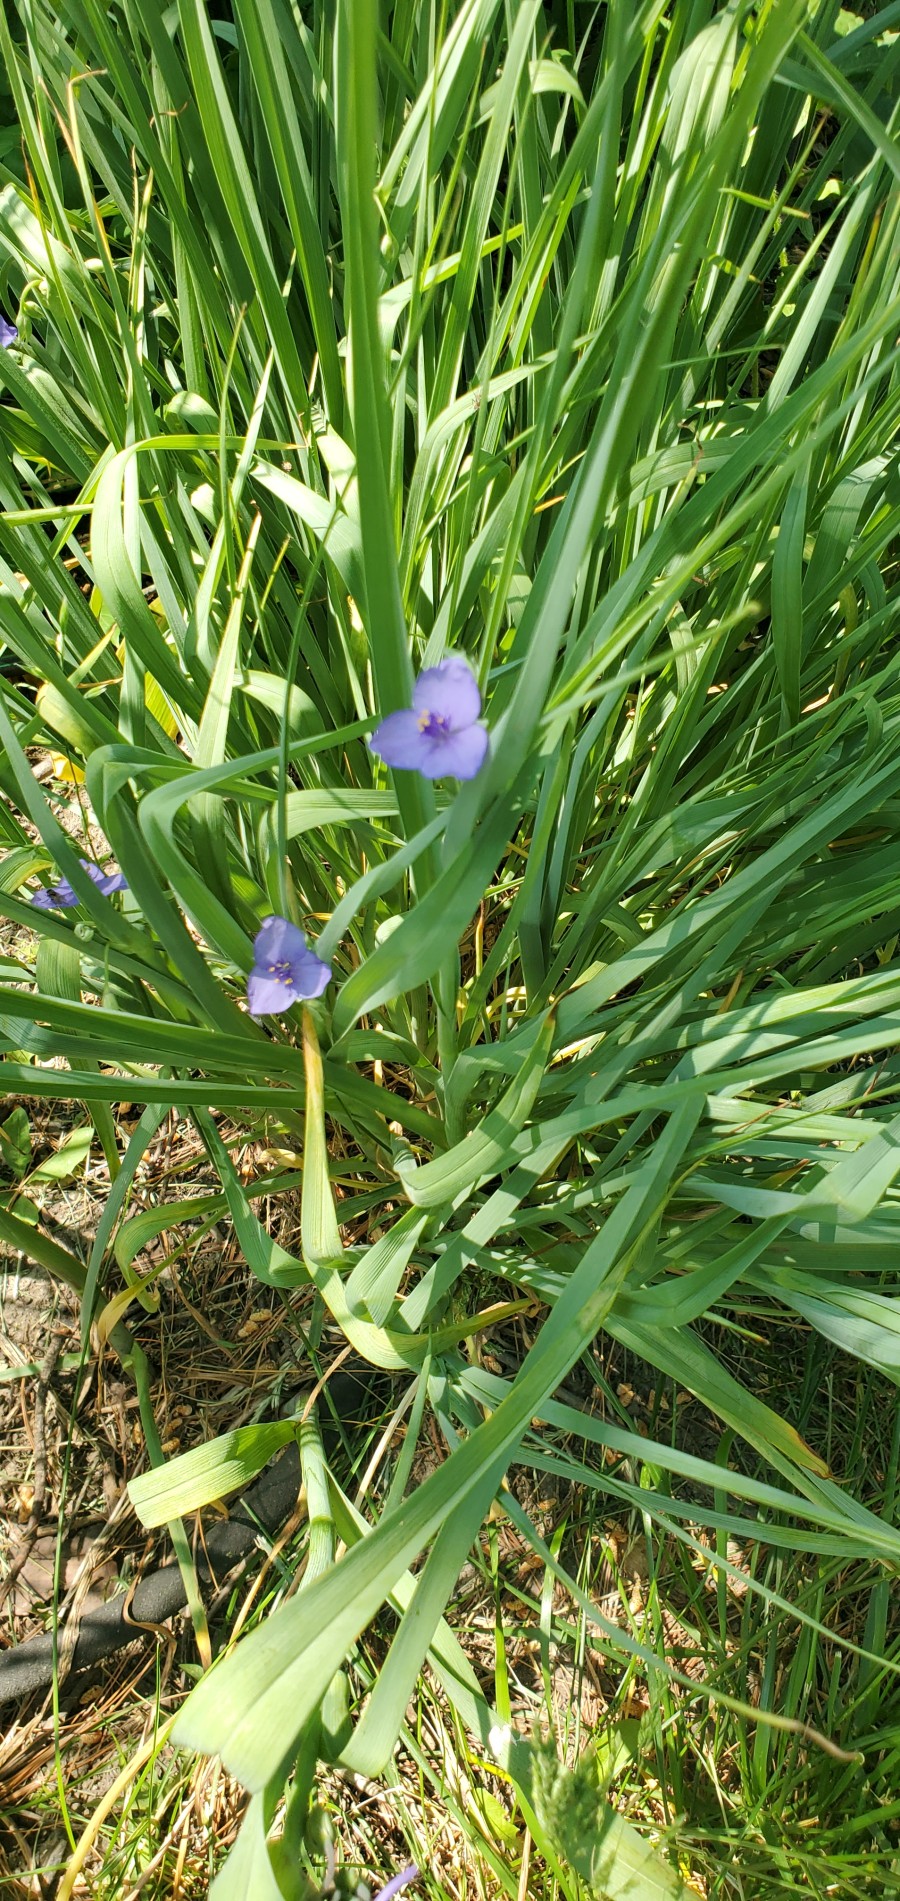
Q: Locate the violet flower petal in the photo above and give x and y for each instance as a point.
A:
(284, 969)
(399, 741)
(8, 333)
(277, 940)
(460, 754)
(64, 897)
(440, 735)
(311, 976)
(267, 996)
(448, 691)
(56, 897)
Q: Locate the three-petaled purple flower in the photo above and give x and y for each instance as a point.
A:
(284, 969)
(397, 1882)
(441, 732)
(63, 896)
(8, 333)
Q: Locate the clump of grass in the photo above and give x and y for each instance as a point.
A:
(348, 341)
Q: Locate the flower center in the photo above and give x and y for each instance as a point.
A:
(281, 972)
(434, 725)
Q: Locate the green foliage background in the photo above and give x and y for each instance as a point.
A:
(565, 337)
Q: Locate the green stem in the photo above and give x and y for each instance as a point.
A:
(134, 1356)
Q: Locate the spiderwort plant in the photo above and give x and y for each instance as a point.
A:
(674, 846)
(64, 897)
(285, 970)
(441, 734)
(8, 333)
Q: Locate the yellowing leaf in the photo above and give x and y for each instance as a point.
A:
(66, 769)
(157, 704)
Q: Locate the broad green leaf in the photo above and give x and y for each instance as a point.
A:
(67, 1160)
(248, 1871)
(134, 1234)
(207, 1472)
(15, 1142)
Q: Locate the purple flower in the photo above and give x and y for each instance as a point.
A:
(406, 1875)
(8, 333)
(441, 732)
(62, 896)
(284, 968)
